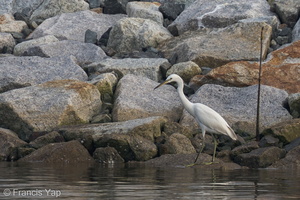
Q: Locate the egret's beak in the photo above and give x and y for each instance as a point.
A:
(166, 81)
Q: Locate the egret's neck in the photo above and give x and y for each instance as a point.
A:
(186, 103)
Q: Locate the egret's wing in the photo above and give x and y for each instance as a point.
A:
(213, 120)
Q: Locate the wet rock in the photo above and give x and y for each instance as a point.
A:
(290, 161)
(65, 152)
(90, 37)
(294, 104)
(286, 131)
(51, 8)
(146, 67)
(143, 149)
(182, 160)
(218, 14)
(118, 135)
(292, 145)
(134, 34)
(280, 70)
(287, 10)
(245, 148)
(7, 43)
(163, 101)
(145, 10)
(106, 84)
(238, 106)
(177, 144)
(260, 158)
(171, 10)
(22, 47)
(186, 70)
(16, 72)
(9, 25)
(44, 107)
(9, 141)
(114, 6)
(84, 53)
(216, 47)
(52, 137)
(268, 141)
(107, 155)
(72, 26)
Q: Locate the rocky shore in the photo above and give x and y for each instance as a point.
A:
(77, 79)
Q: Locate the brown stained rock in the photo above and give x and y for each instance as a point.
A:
(282, 70)
(260, 158)
(65, 152)
(285, 131)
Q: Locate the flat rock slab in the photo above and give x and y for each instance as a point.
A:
(216, 47)
(72, 26)
(238, 106)
(218, 14)
(146, 67)
(133, 139)
(65, 152)
(148, 128)
(43, 107)
(17, 72)
(135, 98)
(84, 53)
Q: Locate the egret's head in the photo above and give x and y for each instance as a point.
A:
(170, 79)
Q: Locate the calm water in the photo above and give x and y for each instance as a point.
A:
(138, 182)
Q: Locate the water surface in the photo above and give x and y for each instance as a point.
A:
(36, 181)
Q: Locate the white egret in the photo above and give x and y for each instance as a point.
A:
(208, 119)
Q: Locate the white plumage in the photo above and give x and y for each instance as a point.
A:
(208, 119)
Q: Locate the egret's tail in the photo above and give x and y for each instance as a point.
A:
(231, 133)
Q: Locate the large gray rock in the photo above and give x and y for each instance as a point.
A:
(72, 26)
(177, 144)
(9, 141)
(135, 98)
(65, 152)
(218, 14)
(7, 43)
(133, 139)
(146, 67)
(134, 34)
(51, 8)
(287, 10)
(85, 53)
(22, 47)
(19, 72)
(215, 47)
(43, 107)
(238, 106)
(20, 5)
(145, 10)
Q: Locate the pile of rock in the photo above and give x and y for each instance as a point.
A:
(77, 80)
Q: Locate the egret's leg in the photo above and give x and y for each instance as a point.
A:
(215, 147)
(203, 145)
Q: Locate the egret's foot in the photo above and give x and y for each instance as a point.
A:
(190, 165)
(210, 163)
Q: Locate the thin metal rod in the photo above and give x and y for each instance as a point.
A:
(259, 84)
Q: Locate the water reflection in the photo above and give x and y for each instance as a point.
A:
(35, 181)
